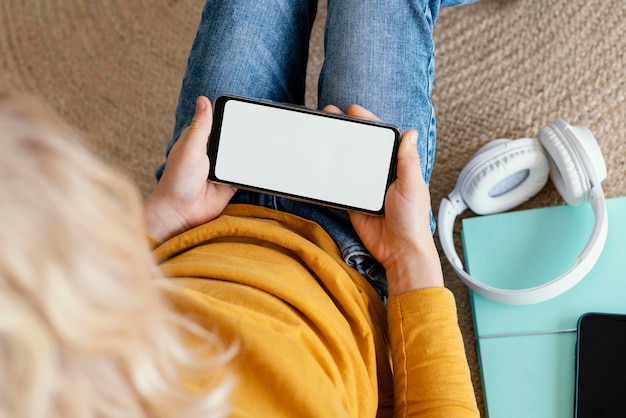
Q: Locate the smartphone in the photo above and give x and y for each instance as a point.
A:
(601, 366)
(303, 154)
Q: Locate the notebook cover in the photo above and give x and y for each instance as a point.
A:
(526, 353)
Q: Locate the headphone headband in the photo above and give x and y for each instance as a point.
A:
(590, 158)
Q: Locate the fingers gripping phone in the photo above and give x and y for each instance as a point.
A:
(303, 154)
(601, 366)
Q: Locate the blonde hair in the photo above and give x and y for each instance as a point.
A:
(85, 329)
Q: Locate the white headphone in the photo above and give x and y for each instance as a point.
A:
(506, 173)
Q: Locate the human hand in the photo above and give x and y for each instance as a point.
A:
(401, 239)
(184, 198)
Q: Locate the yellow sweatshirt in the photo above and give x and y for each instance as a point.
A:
(315, 339)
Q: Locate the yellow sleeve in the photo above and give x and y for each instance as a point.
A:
(431, 374)
(152, 242)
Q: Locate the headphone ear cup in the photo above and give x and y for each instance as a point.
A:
(566, 170)
(503, 174)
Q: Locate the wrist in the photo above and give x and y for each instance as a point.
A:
(161, 221)
(416, 267)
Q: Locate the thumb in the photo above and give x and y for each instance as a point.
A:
(200, 127)
(409, 170)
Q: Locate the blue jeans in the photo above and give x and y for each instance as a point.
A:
(378, 54)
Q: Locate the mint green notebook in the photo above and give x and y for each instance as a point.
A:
(527, 352)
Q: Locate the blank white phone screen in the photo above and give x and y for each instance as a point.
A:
(305, 155)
